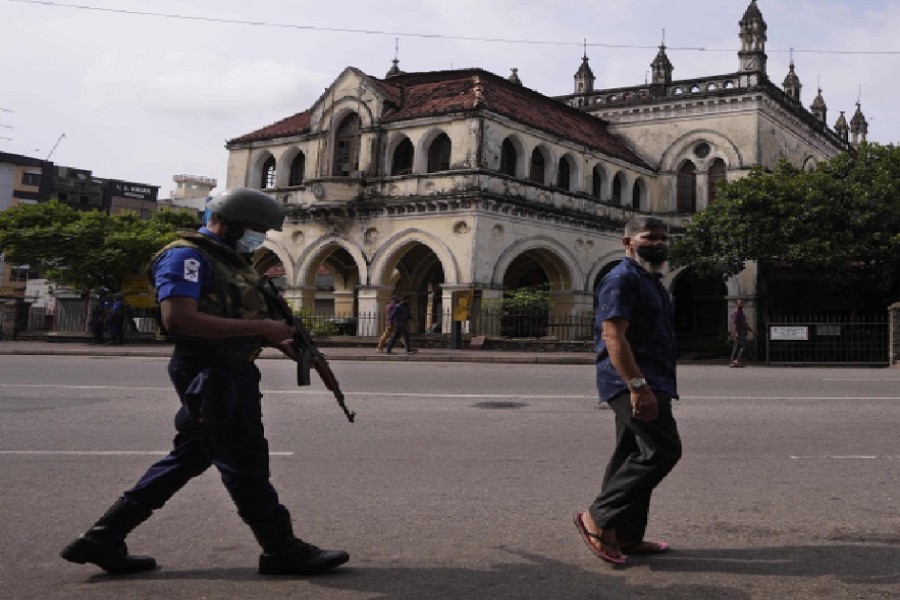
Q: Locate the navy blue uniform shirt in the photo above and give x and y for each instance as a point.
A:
(629, 292)
(183, 271)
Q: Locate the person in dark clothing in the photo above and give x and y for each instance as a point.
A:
(115, 319)
(739, 331)
(400, 318)
(98, 316)
(635, 345)
(212, 303)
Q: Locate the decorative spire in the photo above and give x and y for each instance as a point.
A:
(753, 40)
(818, 108)
(514, 76)
(842, 129)
(859, 127)
(792, 83)
(395, 69)
(584, 77)
(661, 65)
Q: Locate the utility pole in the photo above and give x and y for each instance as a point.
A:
(61, 136)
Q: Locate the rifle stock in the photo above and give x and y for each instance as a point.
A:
(308, 355)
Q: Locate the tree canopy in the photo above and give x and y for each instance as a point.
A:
(85, 250)
(841, 220)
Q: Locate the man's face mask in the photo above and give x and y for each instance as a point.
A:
(655, 254)
(250, 241)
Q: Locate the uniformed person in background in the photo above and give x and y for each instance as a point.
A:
(212, 305)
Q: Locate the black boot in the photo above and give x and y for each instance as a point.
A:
(104, 543)
(284, 554)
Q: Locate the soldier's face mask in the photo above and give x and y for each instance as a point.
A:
(250, 241)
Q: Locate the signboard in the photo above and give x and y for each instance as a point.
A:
(828, 330)
(133, 190)
(138, 291)
(462, 304)
(785, 333)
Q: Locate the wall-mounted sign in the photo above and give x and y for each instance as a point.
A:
(793, 333)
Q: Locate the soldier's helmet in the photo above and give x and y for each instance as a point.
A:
(245, 205)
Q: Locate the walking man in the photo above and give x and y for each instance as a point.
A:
(212, 305)
(635, 346)
(388, 324)
(739, 331)
(400, 318)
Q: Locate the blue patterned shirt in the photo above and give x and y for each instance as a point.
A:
(629, 292)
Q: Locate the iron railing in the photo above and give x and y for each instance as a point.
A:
(860, 340)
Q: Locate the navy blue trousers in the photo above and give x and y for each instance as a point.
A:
(238, 447)
(645, 452)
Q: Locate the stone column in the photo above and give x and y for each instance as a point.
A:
(371, 301)
(301, 297)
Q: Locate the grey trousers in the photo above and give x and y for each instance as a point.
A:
(643, 456)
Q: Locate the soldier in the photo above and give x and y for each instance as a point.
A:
(211, 304)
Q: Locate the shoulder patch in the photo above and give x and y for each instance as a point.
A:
(192, 270)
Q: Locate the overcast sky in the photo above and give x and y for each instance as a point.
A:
(141, 97)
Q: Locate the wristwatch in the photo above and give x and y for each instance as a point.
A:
(637, 383)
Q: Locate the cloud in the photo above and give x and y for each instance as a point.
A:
(195, 84)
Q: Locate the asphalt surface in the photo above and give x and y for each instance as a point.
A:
(459, 481)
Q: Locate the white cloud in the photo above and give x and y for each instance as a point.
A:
(197, 84)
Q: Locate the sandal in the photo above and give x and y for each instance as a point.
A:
(644, 547)
(608, 550)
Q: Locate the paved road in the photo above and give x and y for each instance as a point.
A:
(459, 481)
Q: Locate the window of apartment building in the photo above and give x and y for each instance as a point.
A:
(508, 158)
(298, 167)
(268, 173)
(346, 146)
(32, 179)
(439, 154)
(402, 161)
(536, 172)
(715, 177)
(687, 188)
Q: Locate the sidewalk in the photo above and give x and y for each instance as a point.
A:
(67, 348)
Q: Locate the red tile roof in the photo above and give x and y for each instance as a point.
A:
(435, 93)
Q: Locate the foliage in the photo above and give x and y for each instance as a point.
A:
(527, 300)
(841, 220)
(85, 250)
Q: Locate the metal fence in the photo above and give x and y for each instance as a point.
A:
(492, 322)
(828, 340)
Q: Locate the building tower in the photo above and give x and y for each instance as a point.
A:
(859, 127)
(842, 129)
(818, 108)
(662, 66)
(514, 76)
(584, 77)
(752, 54)
(792, 85)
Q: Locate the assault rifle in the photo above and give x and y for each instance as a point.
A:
(308, 354)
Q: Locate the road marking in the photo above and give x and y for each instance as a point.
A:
(857, 379)
(848, 457)
(105, 452)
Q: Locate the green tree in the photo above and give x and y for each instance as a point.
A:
(85, 250)
(841, 221)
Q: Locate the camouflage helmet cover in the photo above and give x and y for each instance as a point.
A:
(245, 205)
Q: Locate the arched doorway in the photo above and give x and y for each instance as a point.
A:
(701, 313)
(417, 272)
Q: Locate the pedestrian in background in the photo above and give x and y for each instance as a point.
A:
(98, 315)
(739, 332)
(212, 368)
(635, 346)
(400, 318)
(115, 319)
(388, 324)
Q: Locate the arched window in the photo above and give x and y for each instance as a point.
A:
(402, 161)
(268, 173)
(617, 197)
(298, 166)
(564, 176)
(636, 194)
(439, 154)
(536, 173)
(508, 158)
(597, 184)
(715, 177)
(346, 146)
(687, 188)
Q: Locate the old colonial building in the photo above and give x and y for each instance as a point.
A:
(428, 183)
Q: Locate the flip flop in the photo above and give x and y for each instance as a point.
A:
(644, 548)
(600, 552)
